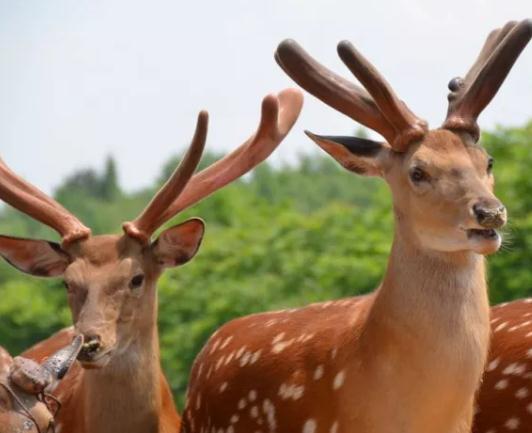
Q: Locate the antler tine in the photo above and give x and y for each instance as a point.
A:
(469, 96)
(335, 91)
(278, 115)
(147, 222)
(408, 127)
(30, 200)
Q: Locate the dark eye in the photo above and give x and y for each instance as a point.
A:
(490, 164)
(418, 175)
(67, 286)
(136, 281)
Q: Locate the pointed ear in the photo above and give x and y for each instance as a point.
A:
(178, 244)
(35, 257)
(363, 156)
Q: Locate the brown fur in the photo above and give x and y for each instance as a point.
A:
(407, 358)
(505, 397)
(126, 368)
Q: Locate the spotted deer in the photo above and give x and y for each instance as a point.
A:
(409, 356)
(26, 403)
(111, 280)
(505, 397)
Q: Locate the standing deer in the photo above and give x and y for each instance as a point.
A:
(26, 404)
(505, 396)
(408, 357)
(111, 281)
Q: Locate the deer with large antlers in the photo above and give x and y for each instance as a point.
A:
(409, 357)
(111, 280)
(26, 403)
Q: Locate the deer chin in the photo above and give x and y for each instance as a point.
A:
(483, 241)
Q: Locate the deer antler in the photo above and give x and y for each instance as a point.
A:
(279, 113)
(469, 96)
(408, 127)
(145, 224)
(381, 111)
(30, 200)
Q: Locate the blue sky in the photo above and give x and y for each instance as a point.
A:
(83, 79)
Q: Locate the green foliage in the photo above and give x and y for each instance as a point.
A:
(286, 236)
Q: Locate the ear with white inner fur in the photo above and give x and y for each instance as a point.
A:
(360, 155)
(178, 244)
(35, 257)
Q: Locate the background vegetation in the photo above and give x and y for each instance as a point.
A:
(283, 237)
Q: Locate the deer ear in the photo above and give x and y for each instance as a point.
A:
(35, 257)
(363, 156)
(178, 244)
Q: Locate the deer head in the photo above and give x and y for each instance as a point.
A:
(441, 180)
(25, 401)
(111, 279)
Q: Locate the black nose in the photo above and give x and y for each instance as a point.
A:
(490, 213)
(90, 348)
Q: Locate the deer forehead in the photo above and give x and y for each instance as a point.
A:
(447, 151)
(104, 249)
(104, 274)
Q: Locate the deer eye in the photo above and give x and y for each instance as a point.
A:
(418, 175)
(489, 169)
(136, 281)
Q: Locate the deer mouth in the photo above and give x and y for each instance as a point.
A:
(99, 361)
(483, 241)
(487, 234)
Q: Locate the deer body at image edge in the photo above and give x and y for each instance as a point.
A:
(408, 357)
(111, 281)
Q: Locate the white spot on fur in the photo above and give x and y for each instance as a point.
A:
(318, 373)
(254, 358)
(334, 428)
(254, 412)
(219, 363)
(229, 358)
(512, 423)
(493, 364)
(234, 419)
(223, 387)
(515, 369)
(242, 403)
(278, 337)
(269, 409)
(245, 359)
(279, 347)
(501, 327)
(214, 347)
(226, 342)
(339, 380)
(240, 352)
(252, 395)
(287, 391)
(521, 393)
(501, 384)
(309, 426)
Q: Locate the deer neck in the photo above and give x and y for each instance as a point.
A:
(125, 395)
(430, 307)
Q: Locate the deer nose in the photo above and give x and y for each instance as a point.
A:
(91, 347)
(490, 213)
